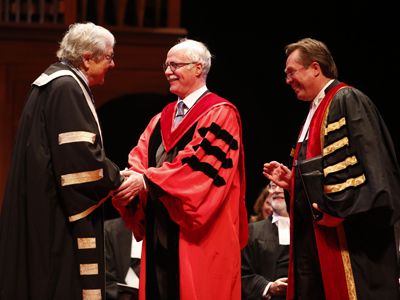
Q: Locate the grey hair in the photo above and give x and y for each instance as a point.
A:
(81, 38)
(196, 52)
(312, 50)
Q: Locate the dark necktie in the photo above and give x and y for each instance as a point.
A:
(180, 112)
(135, 264)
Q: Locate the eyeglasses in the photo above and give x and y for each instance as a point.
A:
(173, 65)
(273, 187)
(289, 75)
(109, 57)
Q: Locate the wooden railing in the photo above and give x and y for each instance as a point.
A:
(121, 13)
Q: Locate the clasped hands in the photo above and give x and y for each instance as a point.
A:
(128, 190)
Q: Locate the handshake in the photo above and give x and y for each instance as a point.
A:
(130, 187)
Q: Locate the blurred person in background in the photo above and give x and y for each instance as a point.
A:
(265, 258)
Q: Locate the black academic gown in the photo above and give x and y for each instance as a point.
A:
(361, 185)
(51, 226)
(118, 244)
(263, 259)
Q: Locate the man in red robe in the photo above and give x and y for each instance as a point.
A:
(345, 187)
(190, 179)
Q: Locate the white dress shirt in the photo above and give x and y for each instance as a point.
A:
(192, 98)
(313, 107)
(131, 278)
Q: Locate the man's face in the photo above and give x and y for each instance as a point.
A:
(299, 77)
(181, 73)
(277, 198)
(97, 67)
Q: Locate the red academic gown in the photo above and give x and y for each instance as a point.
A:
(202, 188)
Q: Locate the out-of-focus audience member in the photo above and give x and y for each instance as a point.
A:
(265, 259)
(122, 253)
(262, 207)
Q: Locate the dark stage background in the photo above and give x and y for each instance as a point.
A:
(247, 39)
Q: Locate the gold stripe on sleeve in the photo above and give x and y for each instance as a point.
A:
(88, 211)
(349, 161)
(81, 177)
(349, 182)
(86, 243)
(89, 269)
(336, 145)
(75, 137)
(91, 294)
(335, 125)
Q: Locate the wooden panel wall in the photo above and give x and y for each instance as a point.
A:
(27, 51)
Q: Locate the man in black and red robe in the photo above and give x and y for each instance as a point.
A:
(344, 184)
(191, 181)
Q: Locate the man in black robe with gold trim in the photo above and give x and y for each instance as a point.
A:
(345, 187)
(51, 226)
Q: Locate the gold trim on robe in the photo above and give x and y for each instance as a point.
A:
(333, 188)
(348, 271)
(91, 294)
(335, 125)
(76, 137)
(88, 211)
(81, 177)
(336, 145)
(86, 243)
(349, 161)
(89, 269)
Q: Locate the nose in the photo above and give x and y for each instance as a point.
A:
(112, 63)
(168, 71)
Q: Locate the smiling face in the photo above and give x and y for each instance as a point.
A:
(183, 75)
(278, 202)
(306, 81)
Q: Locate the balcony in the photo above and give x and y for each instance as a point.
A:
(121, 13)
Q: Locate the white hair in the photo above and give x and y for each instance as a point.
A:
(196, 52)
(81, 38)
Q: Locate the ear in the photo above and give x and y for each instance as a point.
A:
(316, 68)
(86, 57)
(199, 69)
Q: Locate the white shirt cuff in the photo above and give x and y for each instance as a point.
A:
(265, 293)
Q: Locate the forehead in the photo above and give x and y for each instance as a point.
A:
(109, 49)
(177, 54)
(272, 184)
(293, 60)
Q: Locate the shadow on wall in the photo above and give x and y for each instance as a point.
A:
(122, 121)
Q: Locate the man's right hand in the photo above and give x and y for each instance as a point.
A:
(131, 186)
